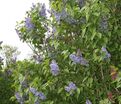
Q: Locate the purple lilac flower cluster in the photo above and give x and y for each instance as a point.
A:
(54, 68)
(107, 54)
(71, 86)
(28, 23)
(37, 94)
(19, 98)
(79, 59)
(43, 11)
(63, 15)
(88, 101)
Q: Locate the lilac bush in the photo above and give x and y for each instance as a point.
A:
(73, 25)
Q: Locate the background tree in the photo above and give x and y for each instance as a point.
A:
(9, 53)
(6, 80)
(1, 59)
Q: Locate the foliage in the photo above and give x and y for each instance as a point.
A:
(6, 89)
(80, 48)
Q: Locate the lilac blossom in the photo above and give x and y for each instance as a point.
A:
(107, 54)
(58, 16)
(33, 90)
(104, 49)
(18, 97)
(71, 86)
(65, 16)
(88, 101)
(54, 68)
(68, 89)
(28, 23)
(41, 96)
(37, 94)
(78, 59)
(43, 11)
(75, 58)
